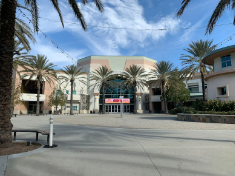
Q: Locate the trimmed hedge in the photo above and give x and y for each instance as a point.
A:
(182, 109)
(208, 107)
(211, 112)
(214, 105)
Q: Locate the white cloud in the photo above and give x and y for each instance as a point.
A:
(118, 13)
(55, 55)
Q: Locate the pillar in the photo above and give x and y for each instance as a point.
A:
(139, 100)
(96, 102)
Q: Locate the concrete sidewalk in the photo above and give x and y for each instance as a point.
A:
(99, 151)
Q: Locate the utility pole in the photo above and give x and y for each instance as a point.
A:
(121, 106)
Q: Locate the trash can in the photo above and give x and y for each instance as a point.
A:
(50, 112)
(90, 112)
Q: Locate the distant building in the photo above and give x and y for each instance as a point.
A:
(117, 64)
(221, 83)
(85, 98)
(194, 85)
(29, 95)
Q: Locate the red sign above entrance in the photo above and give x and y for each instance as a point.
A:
(117, 100)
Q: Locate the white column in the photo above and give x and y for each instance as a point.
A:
(139, 100)
(139, 103)
(96, 103)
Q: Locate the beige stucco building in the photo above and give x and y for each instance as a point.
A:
(117, 64)
(29, 95)
(221, 83)
(85, 97)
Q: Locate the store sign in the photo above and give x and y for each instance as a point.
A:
(117, 100)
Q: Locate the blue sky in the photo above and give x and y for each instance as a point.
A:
(135, 14)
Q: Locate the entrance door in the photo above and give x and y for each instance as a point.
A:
(127, 108)
(32, 108)
(115, 108)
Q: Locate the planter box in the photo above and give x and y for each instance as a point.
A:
(208, 118)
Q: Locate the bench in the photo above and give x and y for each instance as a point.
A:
(39, 114)
(43, 132)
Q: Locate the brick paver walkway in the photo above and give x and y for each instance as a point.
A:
(143, 121)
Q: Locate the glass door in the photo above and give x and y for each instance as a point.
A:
(126, 108)
(115, 108)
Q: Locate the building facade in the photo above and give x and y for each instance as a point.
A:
(28, 95)
(221, 82)
(87, 99)
(92, 97)
(157, 106)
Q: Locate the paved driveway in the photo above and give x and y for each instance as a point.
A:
(102, 151)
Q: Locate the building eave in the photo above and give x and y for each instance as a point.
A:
(210, 57)
(224, 72)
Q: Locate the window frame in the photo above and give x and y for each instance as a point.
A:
(226, 61)
(190, 87)
(220, 92)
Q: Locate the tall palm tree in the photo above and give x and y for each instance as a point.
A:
(7, 31)
(22, 30)
(136, 78)
(43, 70)
(222, 5)
(72, 73)
(101, 77)
(193, 62)
(161, 71)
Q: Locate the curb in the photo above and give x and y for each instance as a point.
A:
(4, 159)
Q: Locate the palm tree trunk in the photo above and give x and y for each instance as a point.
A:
(203, 86)
(135, 90)
(103, 100)
(38, 96)
(164, 97)
(6, 59)
(71, 99)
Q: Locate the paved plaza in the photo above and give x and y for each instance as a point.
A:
(135, 145)
(139, 121)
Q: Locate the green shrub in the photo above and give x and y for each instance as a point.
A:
(199, 105)
(182, 109)
(214, 105)
(211, 112)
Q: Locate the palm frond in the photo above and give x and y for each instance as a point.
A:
(217, 14)
(184, 5)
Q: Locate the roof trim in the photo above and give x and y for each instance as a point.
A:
(210, 57)
(108, 57)
(223, 72)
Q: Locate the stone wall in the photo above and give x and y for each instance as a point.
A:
(208, 118)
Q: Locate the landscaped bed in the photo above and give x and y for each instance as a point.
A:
(208, 118)
(19, 147)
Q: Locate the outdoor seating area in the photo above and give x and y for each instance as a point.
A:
(42, 132)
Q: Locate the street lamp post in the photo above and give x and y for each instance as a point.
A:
(121, 106)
